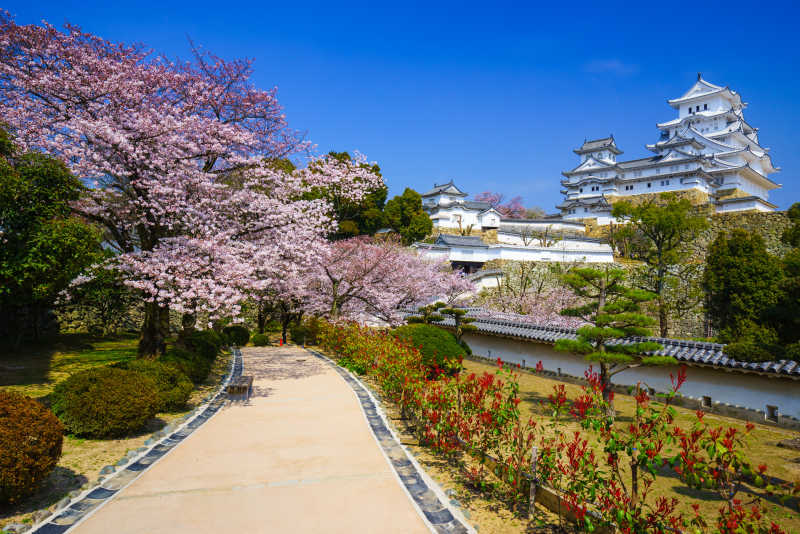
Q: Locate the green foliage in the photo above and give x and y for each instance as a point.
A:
(306, 331)
(613, 311)
(791, 236)
(105, 402)
(754, 298)
(261, 340)
(174, 386)
(30, 445)
(786, 314)
(404, 214)
(355, 218)
(439, 347)
(743, 284)
(462, 322)
(192, 364)
(428, 314)
(354, 366)
(205, 343)
(104, 299)
(656, 235)
(44, 248)
(237, 334)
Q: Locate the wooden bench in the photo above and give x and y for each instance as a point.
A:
(240, 386)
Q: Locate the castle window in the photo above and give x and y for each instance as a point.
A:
(705, 106)
(697, 108)
(649, 184)
(580, 190)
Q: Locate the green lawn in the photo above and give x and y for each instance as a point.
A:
(34, 370)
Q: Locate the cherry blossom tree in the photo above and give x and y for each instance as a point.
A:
(361, 278)
(179, 158)
(513, 209)
(531, 292)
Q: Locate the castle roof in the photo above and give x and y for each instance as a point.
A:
(598, 144)
(704, 89)
(476, 205)
(449, 188)
(588, 202)
(460, 240)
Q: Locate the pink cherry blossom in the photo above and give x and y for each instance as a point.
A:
(361, 278)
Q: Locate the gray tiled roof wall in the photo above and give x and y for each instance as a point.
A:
(696, 352)
(450, 239)
(597, 143)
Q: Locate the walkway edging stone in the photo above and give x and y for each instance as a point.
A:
(132, 467)
(431, 502)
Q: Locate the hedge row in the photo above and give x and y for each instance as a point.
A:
(114, 401)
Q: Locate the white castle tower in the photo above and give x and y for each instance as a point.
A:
(709, 148)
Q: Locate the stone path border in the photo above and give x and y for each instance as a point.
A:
(427, 497)
(92, 499)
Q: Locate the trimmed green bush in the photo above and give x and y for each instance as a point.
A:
(439, 347)
(306, 331)
(30, 445)
(105, 402)
(237, 334)
(193, 365)
(260, 340)
(206, 343)
(174, 386)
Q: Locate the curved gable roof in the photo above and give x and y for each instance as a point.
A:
(449, 188)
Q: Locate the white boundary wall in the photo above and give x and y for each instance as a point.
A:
(736, 388)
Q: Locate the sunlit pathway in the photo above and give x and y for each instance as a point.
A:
(299, 457)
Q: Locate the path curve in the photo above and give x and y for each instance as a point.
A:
(298, 457)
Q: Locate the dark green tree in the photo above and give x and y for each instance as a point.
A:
(763, 308)
(461, 321)
(659, 232)
(743, 284)
(42, 246)
(786, 314)
(427, 314)
(613, 311)
(404, 214)
(462, 325)
(104, 299)
(356, 218)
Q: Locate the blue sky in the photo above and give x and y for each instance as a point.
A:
(493, 95)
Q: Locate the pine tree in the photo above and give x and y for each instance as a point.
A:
(613, 311)
(461, 320)
(427, 314)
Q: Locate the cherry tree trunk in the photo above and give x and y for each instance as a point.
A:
(188, 322)
(155, 329)
(262, 317)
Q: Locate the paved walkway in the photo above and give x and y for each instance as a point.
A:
(299, 457)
